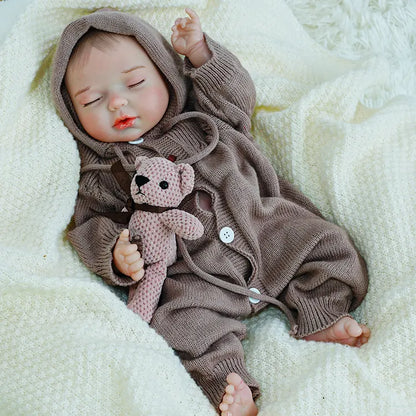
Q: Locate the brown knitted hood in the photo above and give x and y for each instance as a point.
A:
(156, 46)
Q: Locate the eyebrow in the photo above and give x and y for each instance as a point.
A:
(81, 91)
(132, 69)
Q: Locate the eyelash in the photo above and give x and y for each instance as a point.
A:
(136, 84)
(129, 86)
(92, 102)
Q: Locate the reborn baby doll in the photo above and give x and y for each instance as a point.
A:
(123, 92)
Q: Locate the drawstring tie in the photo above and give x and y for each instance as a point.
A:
(232, 287)
(215, 137)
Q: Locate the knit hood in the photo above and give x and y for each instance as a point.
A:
(157, 47)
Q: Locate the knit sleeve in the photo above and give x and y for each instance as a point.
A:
(223, 88)
(94, 235)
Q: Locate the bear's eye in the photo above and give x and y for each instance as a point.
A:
(164, 185)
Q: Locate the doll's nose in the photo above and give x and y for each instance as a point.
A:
(116, 102)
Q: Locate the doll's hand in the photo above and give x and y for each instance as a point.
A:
(126, 258)
(188, 39)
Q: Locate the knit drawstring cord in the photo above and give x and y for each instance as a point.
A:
(214, 132)
(240, 290)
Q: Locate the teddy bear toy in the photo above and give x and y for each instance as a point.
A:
(157, 188)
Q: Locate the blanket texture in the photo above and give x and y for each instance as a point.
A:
(333, 126)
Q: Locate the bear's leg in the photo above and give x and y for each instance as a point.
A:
(146, 296)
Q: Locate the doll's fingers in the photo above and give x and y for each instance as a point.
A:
(136, 267)
(140, 264)
(181, 22)
(192, 14)
(137, 275)
(128, 249)
(132, 258)
(124, 235)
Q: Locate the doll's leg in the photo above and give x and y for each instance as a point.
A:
(201, 323)
(146, 294)
(329, 283)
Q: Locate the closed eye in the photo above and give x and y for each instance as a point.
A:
(136, 84)
(92, 102)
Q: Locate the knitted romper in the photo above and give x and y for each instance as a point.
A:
(261, 235)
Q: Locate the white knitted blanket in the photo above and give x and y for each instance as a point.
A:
(69, 345)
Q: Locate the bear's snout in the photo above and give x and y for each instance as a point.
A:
(141, 180)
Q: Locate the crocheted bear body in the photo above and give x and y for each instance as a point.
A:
(159, 186)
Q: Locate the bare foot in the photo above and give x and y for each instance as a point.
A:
(346, 331)
(237, 400)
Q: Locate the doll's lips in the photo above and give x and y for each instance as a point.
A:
(124, 122)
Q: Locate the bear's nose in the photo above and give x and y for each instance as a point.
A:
(141, 180)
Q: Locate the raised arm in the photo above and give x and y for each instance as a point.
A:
(222, 86)
(188, 39)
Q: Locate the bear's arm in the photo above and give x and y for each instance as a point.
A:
(182, 223)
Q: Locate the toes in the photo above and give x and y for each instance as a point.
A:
(230, 389)
(238, 399)
(363, 339)
(234, 380)
(352, 328)
(366, 331)
(224, 408)
(346, 331)
(357, 334)
(228, 399)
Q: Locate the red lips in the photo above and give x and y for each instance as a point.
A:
(124, 122)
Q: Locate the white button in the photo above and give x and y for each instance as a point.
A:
(227, 235)
(253, 300)
(137, 141)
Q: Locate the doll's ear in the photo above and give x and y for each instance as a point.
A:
(187, 177)
(139, 161)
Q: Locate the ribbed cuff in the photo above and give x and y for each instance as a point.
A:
(214, 73)
(94, 242)
(318, 314)
(214, 388)
(105, 266)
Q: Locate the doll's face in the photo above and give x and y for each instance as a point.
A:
(117, 92)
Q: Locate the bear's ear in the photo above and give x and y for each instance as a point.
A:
(139, 161)
(187, 176)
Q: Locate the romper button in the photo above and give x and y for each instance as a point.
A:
(253, 300)
(227, 235)
(137, 141)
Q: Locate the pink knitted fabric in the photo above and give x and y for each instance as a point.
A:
(160, 183)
